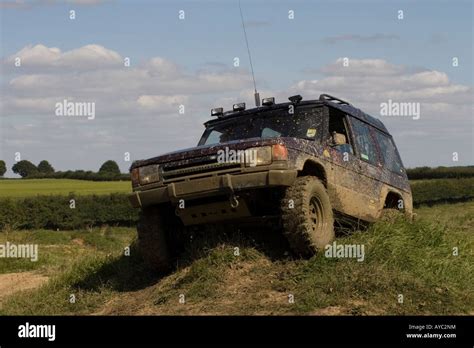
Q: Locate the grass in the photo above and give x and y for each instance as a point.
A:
(58, 250)
(33, 187)
(412, 259)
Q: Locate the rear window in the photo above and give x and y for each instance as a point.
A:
(364, 141)
(389, 152)
(306, 123)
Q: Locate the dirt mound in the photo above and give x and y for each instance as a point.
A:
(239, 287)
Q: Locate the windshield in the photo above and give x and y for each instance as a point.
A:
(304, 123)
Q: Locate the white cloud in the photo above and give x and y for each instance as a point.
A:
(90, 56)
(39, 57)
(163, 103)
(95, 73)
(370, 81)
(162, 67)
(428, 78)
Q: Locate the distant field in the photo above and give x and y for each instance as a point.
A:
(33, 187)
(442, 190)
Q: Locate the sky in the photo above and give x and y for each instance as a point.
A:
(190, 63)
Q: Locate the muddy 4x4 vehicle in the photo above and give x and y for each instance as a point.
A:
(301, 163)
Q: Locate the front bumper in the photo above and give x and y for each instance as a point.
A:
(211, 186)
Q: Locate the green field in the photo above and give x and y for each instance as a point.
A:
(442, 190)
(33, 187)
(424, 191)
(415, 260)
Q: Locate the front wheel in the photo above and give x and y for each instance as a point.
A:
(158, 232)
(307, 216)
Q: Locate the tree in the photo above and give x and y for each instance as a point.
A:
(3, 167)
(45, 168)
(24, 168)
(110, 168)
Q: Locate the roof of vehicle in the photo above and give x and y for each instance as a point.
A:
(324, 99)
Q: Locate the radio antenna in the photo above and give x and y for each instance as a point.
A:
(256, 95)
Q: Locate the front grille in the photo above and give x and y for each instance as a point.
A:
(185, 163)
(196, 166)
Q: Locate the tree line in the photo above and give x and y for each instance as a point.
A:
(109, 170)
(440, 172)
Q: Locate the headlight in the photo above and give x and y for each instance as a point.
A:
(258, 156)
(149, 174)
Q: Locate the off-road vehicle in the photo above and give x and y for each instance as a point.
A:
(299, 164)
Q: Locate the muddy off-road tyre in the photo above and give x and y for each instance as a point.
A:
(307, 216)
(158, 240)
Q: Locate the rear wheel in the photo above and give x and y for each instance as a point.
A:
(307, 216)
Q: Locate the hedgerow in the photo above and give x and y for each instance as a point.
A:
(63, 212)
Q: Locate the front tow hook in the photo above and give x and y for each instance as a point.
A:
(234, 201)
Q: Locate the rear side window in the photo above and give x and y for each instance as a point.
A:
(390, 155)
(364, 141)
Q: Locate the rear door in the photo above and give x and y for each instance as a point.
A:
(369, 165)
(393, 172)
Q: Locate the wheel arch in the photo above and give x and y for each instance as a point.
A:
(391, 196)
(314, 168)
(392, 199)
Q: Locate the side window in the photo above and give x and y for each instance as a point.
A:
(270, 133)
(338, 137)
(364, 142)
(213, 138)
(390, 155)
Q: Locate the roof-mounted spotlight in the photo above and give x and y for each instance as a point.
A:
(217, 112)
(295, 99)
(239, 107)
(268, 101)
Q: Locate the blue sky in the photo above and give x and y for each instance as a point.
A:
(285, 53)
